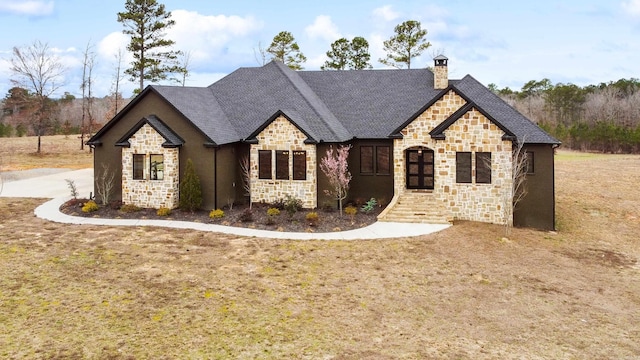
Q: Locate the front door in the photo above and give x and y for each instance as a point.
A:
(419, 168)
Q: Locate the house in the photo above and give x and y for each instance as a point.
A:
(428, 147)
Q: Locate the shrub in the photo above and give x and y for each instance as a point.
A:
(247, 215)
(190, 190)
(369, 206)
(73, 189)
(312, 218)
(90, 206)
(216, 214)
(292, 204)
(278, 204)
(351, 211)
(163, 211)
(129, 208)
(271, 214)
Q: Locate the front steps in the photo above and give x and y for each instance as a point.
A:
(415, 206)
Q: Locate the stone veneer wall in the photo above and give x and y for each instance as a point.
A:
(440, 77)
(283, 135)
(150, 193)
(473, 132)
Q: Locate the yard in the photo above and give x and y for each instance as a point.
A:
(469, 292)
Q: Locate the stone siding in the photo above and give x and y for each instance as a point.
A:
(283, 135)
(473, 132)
(148, 193)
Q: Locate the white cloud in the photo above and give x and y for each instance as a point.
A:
(208, 37)
(386, 13)
(30, 8)
(109, 45)
(632, 7)
(323, 28)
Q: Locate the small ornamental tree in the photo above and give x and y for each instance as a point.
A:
(335, 166)
(190, 191)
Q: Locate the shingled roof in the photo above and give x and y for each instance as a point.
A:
(330, 106)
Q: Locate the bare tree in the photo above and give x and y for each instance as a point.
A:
(117, 79)
(39, 70)
(184, 67)
(105, 183)
(245, 169)
(519, 167)
(260, 54)
(87, 101)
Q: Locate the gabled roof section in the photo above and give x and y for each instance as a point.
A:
(372, 103)
(502, 113)
(250, 96)
(310, 139)
(172, 139)
(438, 131)
(200, 106)
(396, 132)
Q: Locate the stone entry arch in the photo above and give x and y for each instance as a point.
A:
(420, 171)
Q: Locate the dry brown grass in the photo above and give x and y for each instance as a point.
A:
(59, 151)
(70, 291)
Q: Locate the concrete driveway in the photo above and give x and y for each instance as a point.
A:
(46, 183)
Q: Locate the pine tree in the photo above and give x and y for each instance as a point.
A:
(408, 42)
(190, 190)
(146, 22)
(284, 48)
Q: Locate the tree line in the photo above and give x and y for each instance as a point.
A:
(603, 117)
(37, 72)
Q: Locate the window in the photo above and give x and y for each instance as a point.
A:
(299, 165)
(282, 165)
(138, 166)
(366, 159)
(483, 168)
(383, 160)
(264, 164)
(530, 165)
(156, 167)
(463, 167)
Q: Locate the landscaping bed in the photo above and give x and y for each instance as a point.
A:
(328, 220)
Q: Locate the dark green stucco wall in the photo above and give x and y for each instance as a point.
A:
(537, 208)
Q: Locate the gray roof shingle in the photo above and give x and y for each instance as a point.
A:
(330, 106)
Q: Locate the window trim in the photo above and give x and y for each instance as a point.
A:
(481, 165)
(301, 156)
(262, 173)
(371, 160)
(388, 163)
(140, 168)
(531, 162)
(151, 177)
(282, 165)
(468, 170)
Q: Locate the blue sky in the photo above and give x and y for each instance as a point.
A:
(503, 42)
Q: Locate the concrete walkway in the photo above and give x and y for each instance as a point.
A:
(54, 186)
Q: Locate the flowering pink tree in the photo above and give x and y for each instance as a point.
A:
(334, 165)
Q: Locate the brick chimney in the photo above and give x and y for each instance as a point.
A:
(440, 72)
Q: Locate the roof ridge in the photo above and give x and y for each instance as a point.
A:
(290, 74)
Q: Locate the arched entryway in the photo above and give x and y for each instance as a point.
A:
(420, 168)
